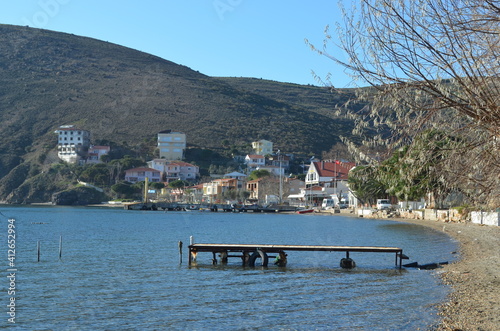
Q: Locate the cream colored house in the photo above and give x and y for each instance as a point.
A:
(171, 145)
(213, 190)
(262, 147)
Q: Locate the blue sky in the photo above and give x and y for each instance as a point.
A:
(236, 38)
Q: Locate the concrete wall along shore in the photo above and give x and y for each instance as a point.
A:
(445, 215)
(487, 218)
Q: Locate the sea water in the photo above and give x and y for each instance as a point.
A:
(123, 270)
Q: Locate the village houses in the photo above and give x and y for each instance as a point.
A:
(323, 179)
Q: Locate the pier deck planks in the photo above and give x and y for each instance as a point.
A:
(246, 248)
(277, 248)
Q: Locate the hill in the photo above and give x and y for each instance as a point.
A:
(48, 79)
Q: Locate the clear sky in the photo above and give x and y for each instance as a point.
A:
(236, 38)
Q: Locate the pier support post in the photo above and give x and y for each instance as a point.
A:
(180, 252)
(245, 257)
(281, 259)
(60, 247)
(223, 257)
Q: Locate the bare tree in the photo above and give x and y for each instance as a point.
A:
(432, 65)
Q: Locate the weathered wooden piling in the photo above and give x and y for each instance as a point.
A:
(38, 250)
(180, 252)
(60, 247)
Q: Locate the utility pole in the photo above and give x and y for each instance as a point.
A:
(281, 179)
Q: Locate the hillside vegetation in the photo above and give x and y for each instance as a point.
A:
(121, 95)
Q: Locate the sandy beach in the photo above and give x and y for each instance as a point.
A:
(474, 303)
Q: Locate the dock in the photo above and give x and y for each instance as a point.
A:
(174, 206)
(249, 253)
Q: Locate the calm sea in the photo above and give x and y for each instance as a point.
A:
(121, 270)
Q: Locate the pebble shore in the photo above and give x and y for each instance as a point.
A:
(474, 302)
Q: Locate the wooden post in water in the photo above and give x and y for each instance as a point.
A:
(180, 252)
(38, 250)
(60, 247)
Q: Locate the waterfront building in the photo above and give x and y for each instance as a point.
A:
(140, 174)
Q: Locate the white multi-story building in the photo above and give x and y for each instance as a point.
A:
(171, 145)
(72, 144)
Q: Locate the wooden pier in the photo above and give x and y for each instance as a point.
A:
(249, 253)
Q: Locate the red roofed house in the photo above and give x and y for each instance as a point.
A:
(95, 153)
(253, 161)
(140, 174)
(174, 170)
(331, 176)
(187, 171)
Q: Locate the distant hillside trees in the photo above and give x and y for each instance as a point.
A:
(125, 190)
(433, 65)
(256, 174)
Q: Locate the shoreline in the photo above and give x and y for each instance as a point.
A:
(474, 278)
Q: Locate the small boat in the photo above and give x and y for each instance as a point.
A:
(305, 211)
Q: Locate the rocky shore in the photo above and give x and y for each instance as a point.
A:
(474, 303)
